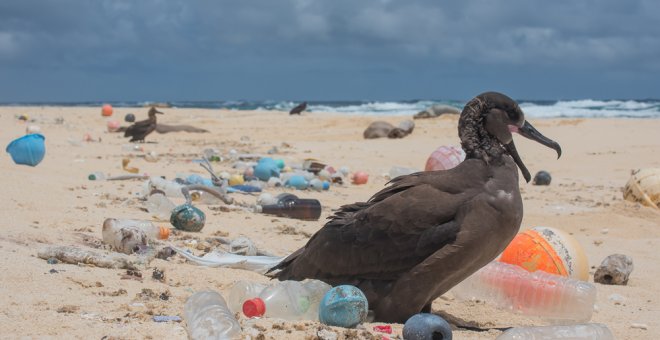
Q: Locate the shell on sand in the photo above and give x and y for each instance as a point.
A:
(644, 187)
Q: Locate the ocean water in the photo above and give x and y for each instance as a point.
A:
(584, 108)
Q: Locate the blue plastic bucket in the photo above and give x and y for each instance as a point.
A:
(28, 150)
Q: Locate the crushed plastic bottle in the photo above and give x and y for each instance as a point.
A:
(539, 293)
(590, 331)
(288, 300)
(170, 188)
(208, 317)
(128, 236)
(160, 206)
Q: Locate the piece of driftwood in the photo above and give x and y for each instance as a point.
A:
(164, 128)
(614, 270)
(75, 255)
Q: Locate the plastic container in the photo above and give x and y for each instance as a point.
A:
(512, 288)
(159, 206)
(208, 317)
(288, 300)
(291, 206)
(128, 236)
(96, 176)
(203, 197)
(444, 158)
(343, 306)
(548, 249)
(426, 326)
(28, 150)
(590, 331)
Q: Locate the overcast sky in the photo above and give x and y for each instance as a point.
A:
(68, 50)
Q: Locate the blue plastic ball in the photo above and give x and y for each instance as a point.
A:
(298, 182)
(266, 168)
(343, 306)
(425, 326)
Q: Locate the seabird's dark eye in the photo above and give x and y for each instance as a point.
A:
(513, 115)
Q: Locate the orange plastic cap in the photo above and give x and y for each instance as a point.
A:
(164, 233)
(254, 307)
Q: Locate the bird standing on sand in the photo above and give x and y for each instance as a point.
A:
(141, 129)
(428, 231)
(298, 109)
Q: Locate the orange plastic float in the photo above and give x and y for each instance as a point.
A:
(550, 250)
(106, 111)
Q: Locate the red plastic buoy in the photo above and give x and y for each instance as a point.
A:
(106, 111)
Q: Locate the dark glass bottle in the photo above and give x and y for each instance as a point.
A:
(291, 206)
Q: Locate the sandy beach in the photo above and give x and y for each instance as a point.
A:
(55, 204)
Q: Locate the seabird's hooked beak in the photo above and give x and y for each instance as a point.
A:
(528, 131)
(156, 111)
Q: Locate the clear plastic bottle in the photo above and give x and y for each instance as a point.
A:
(208, 317)
(160, 206)
(128, 236)
(590, 331)
(242, 291)
(540, 294)
(288, 300)
(291, 206)
(170, 188)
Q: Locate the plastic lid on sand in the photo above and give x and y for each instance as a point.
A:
(254, 307)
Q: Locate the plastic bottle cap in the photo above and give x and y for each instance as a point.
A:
(163, 233)
(254, 307)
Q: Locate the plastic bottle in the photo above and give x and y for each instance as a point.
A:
(291, 206)
(208, 317)
(170, 188)
(202, 197)
(288, 300)
(242, 291)
(539, 293)
(96, 176)
(160, 206)
(590, 331)
(128, 236)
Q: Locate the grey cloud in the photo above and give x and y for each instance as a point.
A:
(267, 40)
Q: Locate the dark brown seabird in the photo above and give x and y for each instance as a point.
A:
(298, 109)
(141, 129)
(428, 231)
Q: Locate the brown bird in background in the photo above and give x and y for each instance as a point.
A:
(298, 109)
(139, 130)
(428, 231)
